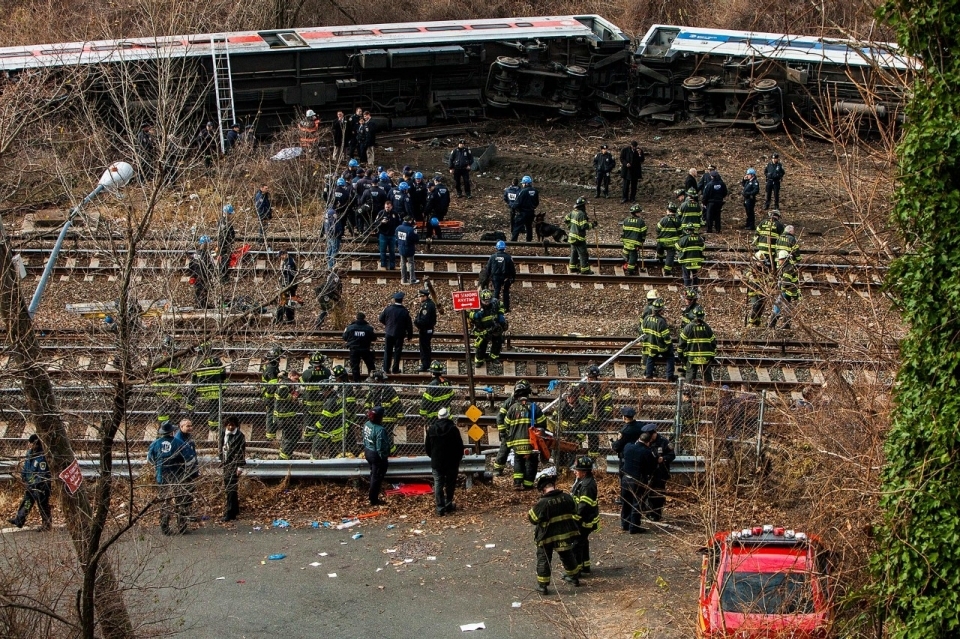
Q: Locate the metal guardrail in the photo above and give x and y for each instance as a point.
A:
(682, 465)
(340, 468)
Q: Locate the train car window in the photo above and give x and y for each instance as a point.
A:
(15, 54)
(354, 32)
(111, 47)
(399, 30)
(62, 51)
(478, 27)
(523, 24)
(205, 40)
(449, 27)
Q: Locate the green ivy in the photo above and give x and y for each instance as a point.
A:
(917, 566)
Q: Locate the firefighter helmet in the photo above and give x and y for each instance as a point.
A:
(522, 388)
(546, 477)
(486, 296)
(593, 371)
(584, 462)
(437, 368)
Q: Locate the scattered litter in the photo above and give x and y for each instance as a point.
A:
(490, 546)
(431, 558)
(469, 566)
(657, 138)
(343, 543)
(327, 524)
(256, 528)
(357, 536)
(288, 154)
(348, 524)
(281, 523)
(315, 564)
(263, 563)
(391, 526)
(417, 532)
(277, 557)
(219, 578)
(375, 513)
(389, 550)
(241, 581)
(408, 561)
(379, 569)
(403, 516)
(331, 574)
(389, 149)
(472, 626)
(516, 604)
(322, 554)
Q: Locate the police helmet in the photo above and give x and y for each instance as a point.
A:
(353, 164)
(384, 177)
(691, 293)
(317, 358)
(340, 371)
(418, 175)
(228, 209)
(486, 295)
(593, 371)
(403, 186)
(501, 245)
(636, 208)
(522, 388)
(657, 304)
(526, 179)
(204, 239)
(672, 207)
(692, 192)
(341, 182)
(437, 368)
(699, 313)
(584, 462)
(546, 477)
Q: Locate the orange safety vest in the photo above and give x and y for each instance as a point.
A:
(309, 132)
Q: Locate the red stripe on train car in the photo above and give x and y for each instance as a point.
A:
(245, 39)
(315, 35)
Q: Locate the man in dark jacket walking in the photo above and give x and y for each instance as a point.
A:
(425, 322)
(631, 170)
(233, 455)
(445, 449)
(397, 326)
(36, 475)
(359, 336)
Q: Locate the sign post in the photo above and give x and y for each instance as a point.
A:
(465, 301)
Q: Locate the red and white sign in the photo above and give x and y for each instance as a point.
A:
(72, 477)
(466, 300)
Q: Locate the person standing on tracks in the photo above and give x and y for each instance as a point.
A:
(400, 196)
(668, 232)
(167, 384)
(525, 209)
(269, 378)
(788, 283)
(387, 224)
(261, 202)
(750, 189)
(377, 443)
(692, 298)
(407, 240)
(690, 214)
(226, 235)
(766, 237)
(35, 474)
(758, 287)
(690, 249)
(165, 456)
(438, 202)
(788, 242)
(360, 336)
(603, 165)
(714, 193)
(461, 162)
(367, 139)
(523, 416)
(584, 493)
(578, 224)
(663, 450)
(426, 322)
(488, 325)
(520, 389)
(418, 197)
(652, 296)
(502, 272)
(632, 235)
(200, 270)
(773, 174)
(639, 466)
(691, 181)
(208, 379)
(288, 289)
(631, 170)
(233, 456)
(444, 445)
(657, 342)
(437, 394)
(697, 348)
(397, 326)
(555, 516)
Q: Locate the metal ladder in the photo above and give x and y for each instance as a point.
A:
(223, 87)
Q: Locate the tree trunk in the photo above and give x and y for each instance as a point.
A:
(106, 597)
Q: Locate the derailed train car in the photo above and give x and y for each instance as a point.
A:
(412, 73)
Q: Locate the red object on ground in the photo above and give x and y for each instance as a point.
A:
(237, 255)
(410, 490)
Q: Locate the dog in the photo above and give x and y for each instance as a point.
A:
(546, 231)
(493, 236)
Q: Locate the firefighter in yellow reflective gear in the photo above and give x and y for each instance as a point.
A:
(522, 416)
(632, 236)
(385, 396)
(285, 413)
(174, 395)
(327, 432)
(520, 389)
(556, 519)
(697, 348)
(208, 379)
(488, 325)
(437, 395)
(269, 377)
(578, 224)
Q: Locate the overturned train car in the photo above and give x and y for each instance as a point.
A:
(412, 73)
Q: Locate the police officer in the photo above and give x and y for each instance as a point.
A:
(436, 395)
(387, 224)
(426, 322)
(773, 173)
(521, 417)
(166, 458)
(359, 337)
(407, 240)
(690, 249)
(400, 197)
(525, 209)
(657, 342)
(639, 466)
(502, 272)
(631, 170)
(36, 475)
(697, 347)
(578, 224)
(714, 193)
(632, 236)
(397, 326)
(629, 433)
(603, 165)
(750, 189)
(520, 389)
(668, 232)
(510, 196)
(418, 196)
(377, 442)
(662, 450)
(438, 204)
(488, 325)
(584, 493)
(461, 161)
(555, 516)
(184, 444)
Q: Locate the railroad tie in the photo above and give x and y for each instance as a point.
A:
(3, 429)
(399, 434)
(816, 376)
(493, 436)
(574, 284)
(734, 374)
(525, 268)
(763, 375)
(526, 284)
(789, 375)
(598, 285)
(815, 292)
(83, 362)
(451, 367)
(625, 287)
(620, 370)
(553, 370)
(548, 269)
(254, 365)
(428, 266)
(510, 368)
(720, 289)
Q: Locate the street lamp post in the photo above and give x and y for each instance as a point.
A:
(117, 176)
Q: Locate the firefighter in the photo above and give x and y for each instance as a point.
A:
(166, 384)
(555, 516)
(584, 493)
(285, 413)
(690, 249)
(578, 224)
(269, 378)
(309, 128)
(437, 395)
(788, 242)
(690, 213)
(521, 417)
(314, 392)
(788, 283)
(488, 325)
(572, 417)
(599, 398)
(657, 342)
(662, 450)
(652, 296)
(767, 235)
(200, 272)
(632, 236)
(328, 431)
(693, 303)
(208, 379)
(385, 396)
(697, 348)
(603, 165)
(36, 475)
(757, 288)
(520, 389)
(668, 232)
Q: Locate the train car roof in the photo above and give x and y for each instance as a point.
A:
(778, 46)
(346, 36)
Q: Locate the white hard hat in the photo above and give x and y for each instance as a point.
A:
(311, 113)
(443, 413)
(782, 255)
(652, 294)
